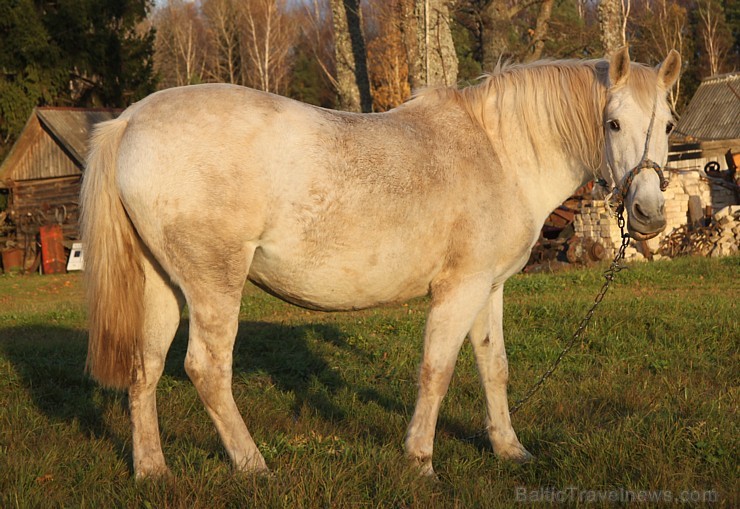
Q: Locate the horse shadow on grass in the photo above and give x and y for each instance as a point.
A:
(297, 360)
(49, 361)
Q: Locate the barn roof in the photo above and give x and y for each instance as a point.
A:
(72, 126)
(714, 111)
(53, 143)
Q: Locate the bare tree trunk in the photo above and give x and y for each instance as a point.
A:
(495, 26)
(435, 59)
(611, 22)
(409, 31)
(540, 31)
(353, 84)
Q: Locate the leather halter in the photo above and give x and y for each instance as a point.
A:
(619, 193)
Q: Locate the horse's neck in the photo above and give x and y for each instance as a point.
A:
(549, 182)
(546, 168)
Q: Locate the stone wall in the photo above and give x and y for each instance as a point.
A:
(595, 224)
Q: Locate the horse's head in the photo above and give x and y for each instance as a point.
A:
(637, 122)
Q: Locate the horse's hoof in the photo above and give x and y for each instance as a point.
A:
(516, 454)
(423, 467)
(524, 458)
(257, 473)
(266, 474)
(154, 474)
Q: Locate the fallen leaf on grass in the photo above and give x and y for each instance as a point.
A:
(41, 480)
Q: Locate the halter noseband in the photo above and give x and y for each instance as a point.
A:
(622, 189)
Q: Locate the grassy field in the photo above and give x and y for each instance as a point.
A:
(646, 406)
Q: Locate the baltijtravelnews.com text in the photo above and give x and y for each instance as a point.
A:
(616, 495)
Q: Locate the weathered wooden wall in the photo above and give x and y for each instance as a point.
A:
(34, 203)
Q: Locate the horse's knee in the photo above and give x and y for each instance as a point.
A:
(433, 377)
(501, 370)
(204, 366)
(194, 367)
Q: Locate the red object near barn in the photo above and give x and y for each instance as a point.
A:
(52, 249)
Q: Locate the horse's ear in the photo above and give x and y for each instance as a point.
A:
(670, 68)
(619, 66)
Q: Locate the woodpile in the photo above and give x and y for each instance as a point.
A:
(720, 237)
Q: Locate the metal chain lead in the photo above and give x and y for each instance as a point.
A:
(609, 276)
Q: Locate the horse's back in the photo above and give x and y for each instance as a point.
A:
(327, 210)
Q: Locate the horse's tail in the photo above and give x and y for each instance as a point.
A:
(113, 265)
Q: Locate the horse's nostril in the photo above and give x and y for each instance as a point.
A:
(662, 209)
(640, 213)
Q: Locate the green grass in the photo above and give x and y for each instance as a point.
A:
(648, 401)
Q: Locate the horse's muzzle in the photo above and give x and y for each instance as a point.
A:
(644, 225)
(638, 235)
(646, 220)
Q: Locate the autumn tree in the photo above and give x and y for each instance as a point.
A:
(181, 44)
(268, 32)
(715, 38)
(655, 28)
(573, 31)
(387, 57)
(314, 78)
(224, 40)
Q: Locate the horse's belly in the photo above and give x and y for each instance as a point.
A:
(339, 286)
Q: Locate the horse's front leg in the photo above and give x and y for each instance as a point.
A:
(454, 308)
(487, 338)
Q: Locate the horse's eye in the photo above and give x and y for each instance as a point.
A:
(614, 125)
(669, 127)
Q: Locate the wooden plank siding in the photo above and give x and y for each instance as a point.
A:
(709, 149)
(37, 155)
(34, 203)
(43, 170)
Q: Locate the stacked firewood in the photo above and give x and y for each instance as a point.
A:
(720, 237)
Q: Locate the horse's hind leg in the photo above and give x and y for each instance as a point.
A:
(487, 338)
(162, 308)
(214, 316)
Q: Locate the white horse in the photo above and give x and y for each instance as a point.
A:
(195, 190)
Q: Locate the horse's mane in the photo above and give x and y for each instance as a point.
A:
(571, 92)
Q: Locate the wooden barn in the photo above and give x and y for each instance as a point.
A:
(42, 172)
(710, 126)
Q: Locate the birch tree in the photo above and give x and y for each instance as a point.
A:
(611, 18)
(660, 26)
(431, 51)
(223, 30)
(180, 44)
(267, 36)
(715, 36)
